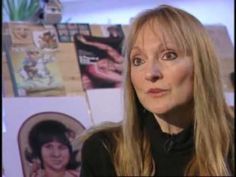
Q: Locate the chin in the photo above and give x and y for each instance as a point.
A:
(58, 168)
(162, 109)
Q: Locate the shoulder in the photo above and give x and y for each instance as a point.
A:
(96, 155)
(96, 141)
(103, 139)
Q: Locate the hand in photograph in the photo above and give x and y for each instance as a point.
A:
(108, 68)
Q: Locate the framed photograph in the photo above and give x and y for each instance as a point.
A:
(46, 145)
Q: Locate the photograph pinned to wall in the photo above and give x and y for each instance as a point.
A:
(63, 33)
(112, 31)
(44, 134)
(73, 29)
(81, 28)
(20, 33)
(72, 33)
(66, 31)
(100, 61)
(72, 26)
(61, 26)
(84, 29)
(46, 40)
(35, 72)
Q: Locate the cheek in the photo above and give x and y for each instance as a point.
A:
(65, 153)
(66, 156)
(137, 78)
(181, 75)
(45, 153)
(181, 80)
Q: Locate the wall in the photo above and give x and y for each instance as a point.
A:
(105, 11)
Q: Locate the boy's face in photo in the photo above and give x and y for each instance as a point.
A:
(55, 155)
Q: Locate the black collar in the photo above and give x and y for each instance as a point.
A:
(182, 141)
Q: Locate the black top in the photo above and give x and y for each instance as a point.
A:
(171, 153)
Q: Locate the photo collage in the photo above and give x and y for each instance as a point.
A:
(47, 60)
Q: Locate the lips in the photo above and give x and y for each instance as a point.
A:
(157, 92)
(56, 162)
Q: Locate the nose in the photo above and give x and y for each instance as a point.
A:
(56, 152)
(153, 72)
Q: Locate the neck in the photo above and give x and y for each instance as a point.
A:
(175, 120)
(50, 173)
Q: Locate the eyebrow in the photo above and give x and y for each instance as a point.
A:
(161, 47)
(135, 48)
(167, 45)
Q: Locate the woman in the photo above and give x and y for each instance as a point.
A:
(52, 154)
(176, 121)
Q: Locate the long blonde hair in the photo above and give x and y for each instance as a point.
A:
(213, 120)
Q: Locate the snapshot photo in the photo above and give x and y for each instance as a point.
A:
(46, 143)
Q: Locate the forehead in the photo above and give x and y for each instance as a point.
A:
(54, 141)
(165, 33)
(153, 32)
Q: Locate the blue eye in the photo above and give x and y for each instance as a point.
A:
(169, 56)
(137, 61)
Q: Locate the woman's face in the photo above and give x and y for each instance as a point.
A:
(55, 155)
(162, 75)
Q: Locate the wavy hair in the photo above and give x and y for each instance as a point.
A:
(213, 119)
(47, 131)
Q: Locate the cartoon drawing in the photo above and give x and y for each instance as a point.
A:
(34, 66)
(45, 40)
